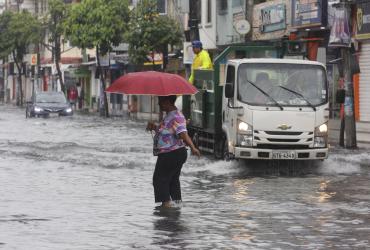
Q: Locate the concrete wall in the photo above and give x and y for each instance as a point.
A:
(207, 30)
(226, 19)
(363, 133)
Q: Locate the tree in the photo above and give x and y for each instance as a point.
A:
(150, 32)
(5, 43)
(54, 23)
(98, 24)
(19, 30)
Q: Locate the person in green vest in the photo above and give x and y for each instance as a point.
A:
(201, 59)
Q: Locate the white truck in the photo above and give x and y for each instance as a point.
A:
(275, 109)
(267, 108)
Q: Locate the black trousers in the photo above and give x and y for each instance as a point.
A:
(166, 177)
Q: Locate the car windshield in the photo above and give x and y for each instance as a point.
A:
(282, 83)
(50, 98)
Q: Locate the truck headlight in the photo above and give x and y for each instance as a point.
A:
(323, 128)
(321, 136)
(243, 126)
(245, 134)
(38, 109)
(69, 110)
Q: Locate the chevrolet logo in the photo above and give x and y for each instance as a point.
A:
(284, 127)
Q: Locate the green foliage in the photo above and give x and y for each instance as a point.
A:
(5, 43)
(55, 19)
(19, 30)
(150, 32)
(97, 23)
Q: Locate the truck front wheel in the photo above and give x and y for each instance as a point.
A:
(226, 154)
(219, 148)
(222, 149)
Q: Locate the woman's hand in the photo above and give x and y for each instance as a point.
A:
(185, 137)
(151, 126)
(195, 151)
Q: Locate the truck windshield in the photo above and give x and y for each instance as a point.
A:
(307, 84)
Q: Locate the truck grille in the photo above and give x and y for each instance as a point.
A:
(282, 139)
(282, 133)
(284, 146)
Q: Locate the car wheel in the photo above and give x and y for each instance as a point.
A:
(29, 114)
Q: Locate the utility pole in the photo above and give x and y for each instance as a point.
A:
(38, 63)
(349, 117)
(348, 122)
(6, 70)
(249, 17)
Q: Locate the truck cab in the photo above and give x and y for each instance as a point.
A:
(275, 109)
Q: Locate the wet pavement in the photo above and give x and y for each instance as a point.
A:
(84, 182)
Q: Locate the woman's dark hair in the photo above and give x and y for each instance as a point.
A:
(170, 98)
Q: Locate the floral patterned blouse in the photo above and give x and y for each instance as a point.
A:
(166, 138)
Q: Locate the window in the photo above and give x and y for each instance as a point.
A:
(162, 6)
(237, 3)
(287, 84)
(209, 11)
(195, 11)
(222, 7)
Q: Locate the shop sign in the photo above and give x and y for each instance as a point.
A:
(331, 11)
(158, 59)
(273, 18)
(340, 35)
(33, 60)
(104, 60)
(307, 13)
(363, 20)
(82, 72)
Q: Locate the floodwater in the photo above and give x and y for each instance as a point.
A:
(85, 182)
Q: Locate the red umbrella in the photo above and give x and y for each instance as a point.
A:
(151, 83)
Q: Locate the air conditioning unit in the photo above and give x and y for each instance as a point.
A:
(296, 47)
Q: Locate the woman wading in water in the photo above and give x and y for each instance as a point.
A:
(170, 141)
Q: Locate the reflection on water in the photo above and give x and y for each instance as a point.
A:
(170, 229)
(86, 183)
(323, 194)
(241, 189)
(282, 167)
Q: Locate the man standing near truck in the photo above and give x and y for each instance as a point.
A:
(201, 59)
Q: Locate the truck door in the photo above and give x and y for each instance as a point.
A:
(229, 115)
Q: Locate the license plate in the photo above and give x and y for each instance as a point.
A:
(283, 155)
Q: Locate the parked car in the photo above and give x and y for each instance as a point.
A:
(45, 104)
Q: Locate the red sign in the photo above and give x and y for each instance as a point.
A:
(34, 59)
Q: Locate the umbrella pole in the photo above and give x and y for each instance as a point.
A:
(151, 108)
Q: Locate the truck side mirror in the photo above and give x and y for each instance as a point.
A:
(340, 96)
(229, 90)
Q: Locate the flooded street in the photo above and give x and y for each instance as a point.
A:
(84, 182)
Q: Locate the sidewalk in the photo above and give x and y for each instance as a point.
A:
(363, 133)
